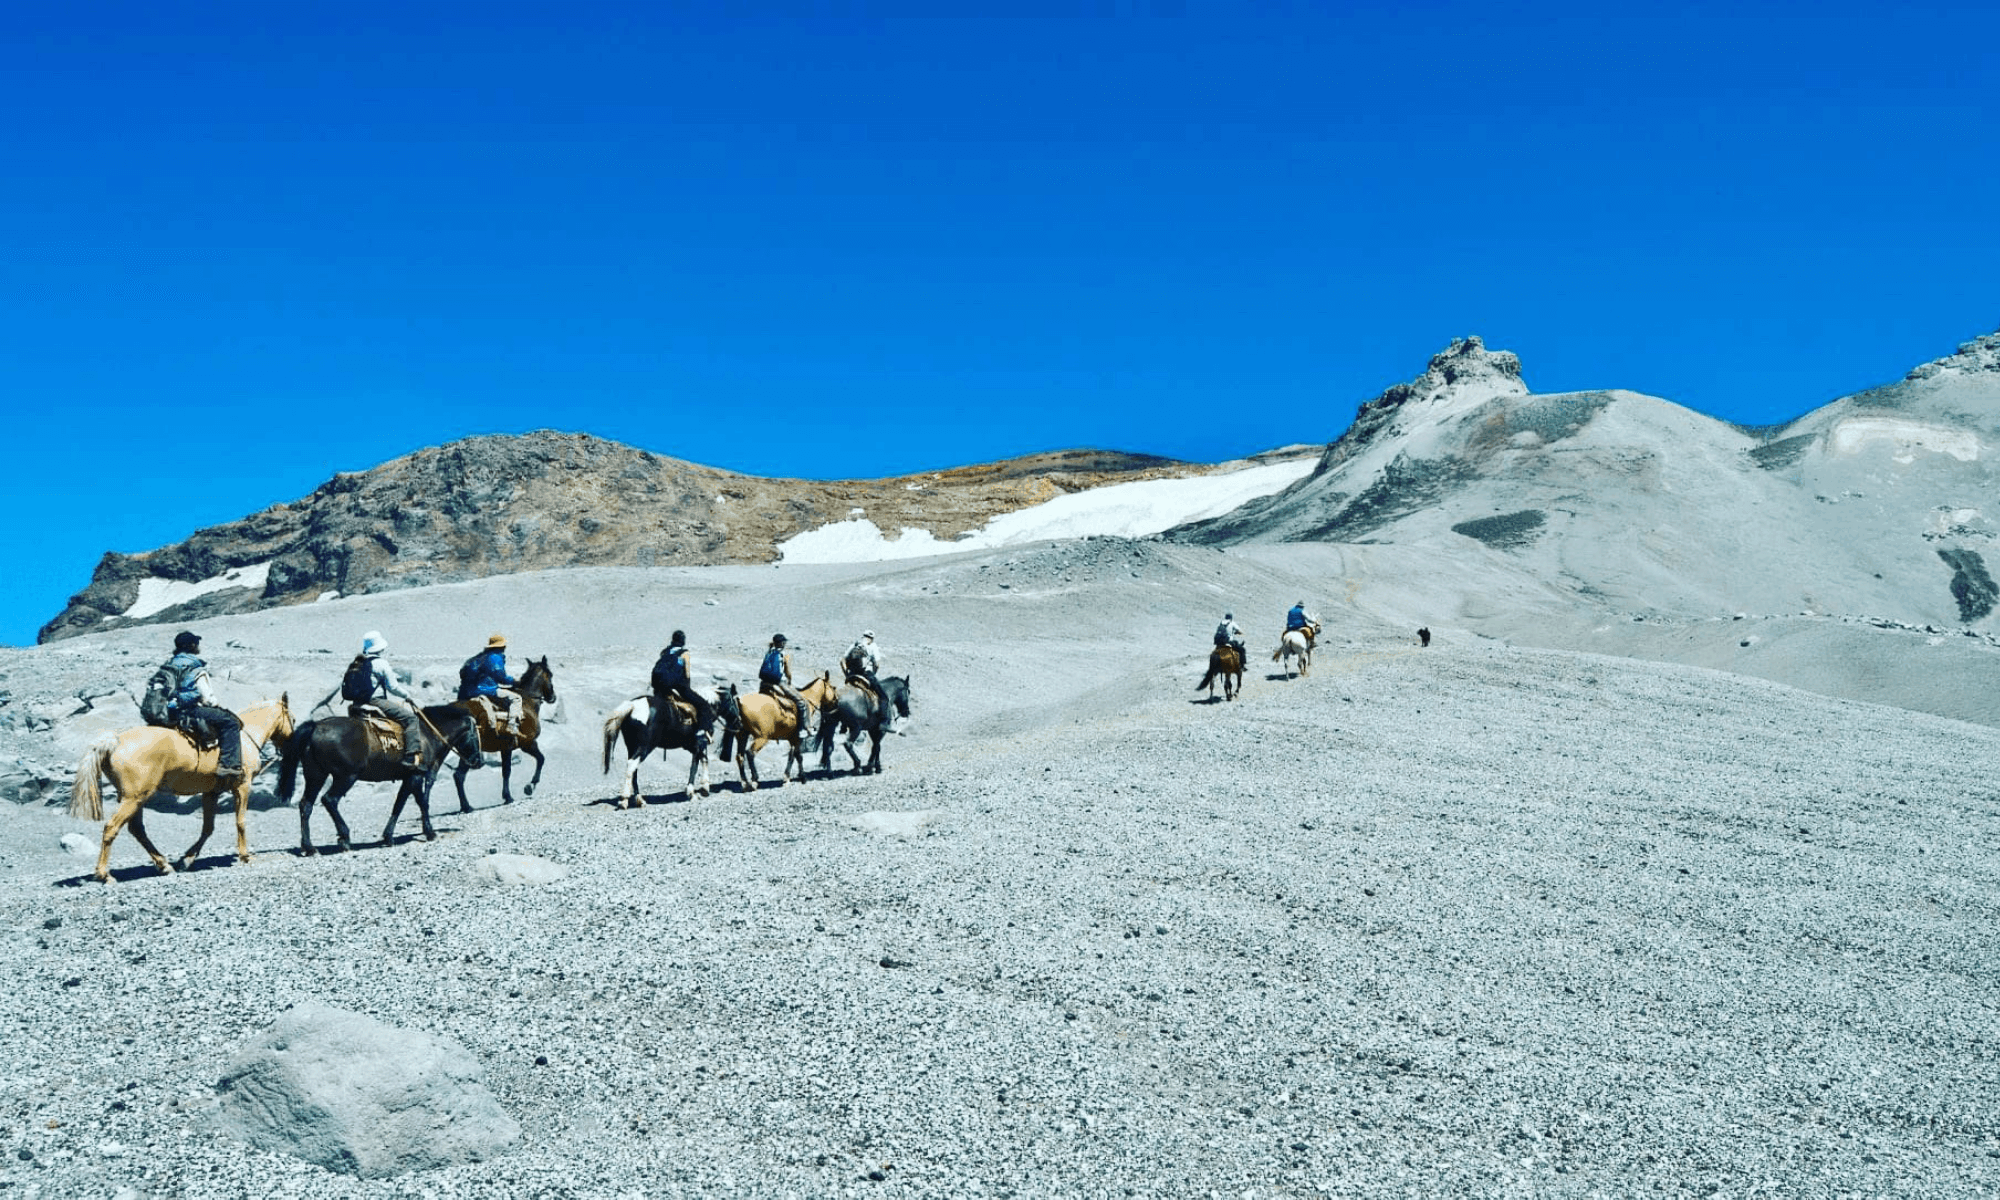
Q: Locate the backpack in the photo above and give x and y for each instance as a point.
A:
(469, 676)
(358, 685)
(670, 672)
(773, 670)
(156, 703)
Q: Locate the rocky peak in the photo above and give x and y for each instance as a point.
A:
(1979, 354)
(1463, 373)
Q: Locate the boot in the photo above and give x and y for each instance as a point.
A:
(229, 775)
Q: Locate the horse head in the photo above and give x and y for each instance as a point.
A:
(281, 733)
(898, 687)
(538, 682)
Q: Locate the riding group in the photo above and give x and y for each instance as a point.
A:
(1226, 661)
(190, 745)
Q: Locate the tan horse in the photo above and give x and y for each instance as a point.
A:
(149, 759)
(756, 720)
(1226, 665)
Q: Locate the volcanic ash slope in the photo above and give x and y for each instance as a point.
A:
(1465, 920)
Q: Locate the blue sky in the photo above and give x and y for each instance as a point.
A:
(250, 245)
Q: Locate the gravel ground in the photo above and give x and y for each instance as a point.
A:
(1469, 920)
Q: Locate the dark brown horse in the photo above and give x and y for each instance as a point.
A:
(536, 687)
(340, 748)
(1226, 664)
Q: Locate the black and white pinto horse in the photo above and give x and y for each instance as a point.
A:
(338, 748)
(856, 711)
(633, 722)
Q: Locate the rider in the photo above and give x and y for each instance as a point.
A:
(864, 662)
(671, 678)
(381, 691)
(485, 674)
(774, 678)
(1299, 618)
(1230, 635)
(194, 700)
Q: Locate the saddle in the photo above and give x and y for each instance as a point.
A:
(199, 733)
(385, 736)
(861, 682)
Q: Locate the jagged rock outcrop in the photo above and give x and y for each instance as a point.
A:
(494, 505)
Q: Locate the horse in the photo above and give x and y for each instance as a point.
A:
(633, 720)
(537, 687)
(754, 720)
(1224, 664)
(1297, 643)
(341, 749)
(856, 710)
(149, 759)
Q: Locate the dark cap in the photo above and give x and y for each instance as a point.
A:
(679, 639)
(187, 640)
(777, 639)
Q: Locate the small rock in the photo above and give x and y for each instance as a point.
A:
(77, 845)
(512, 869)
(52, 923)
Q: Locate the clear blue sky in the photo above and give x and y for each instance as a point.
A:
(249, 245)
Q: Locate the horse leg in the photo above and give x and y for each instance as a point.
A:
(396, 810)
(631, 797)
(306, 847)
(853, 759)
(697, 769)
(332, 801)
(207, 827)
(422, 785)
(875, 752)
(507, 776)
(458, 774)
(139, 832)
(535, 752)
(243, 821)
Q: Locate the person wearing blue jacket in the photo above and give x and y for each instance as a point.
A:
(485, 674)
(774, 677)
(194, 700)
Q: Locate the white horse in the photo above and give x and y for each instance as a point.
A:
(1297, 643)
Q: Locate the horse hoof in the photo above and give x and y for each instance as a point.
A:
(430, 835)
(466, 808)
(528, 791)
(308, 852)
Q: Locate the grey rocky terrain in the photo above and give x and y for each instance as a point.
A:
(1474, 919)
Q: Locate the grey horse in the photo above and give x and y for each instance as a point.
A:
(857, 711)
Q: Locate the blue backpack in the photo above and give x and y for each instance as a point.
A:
(773, 670)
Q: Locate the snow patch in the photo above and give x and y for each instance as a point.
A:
(1119, 510)
(1907, 437)
(158, 595)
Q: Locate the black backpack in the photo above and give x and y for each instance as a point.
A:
(358, 685)
(470, 675)
(156, 703)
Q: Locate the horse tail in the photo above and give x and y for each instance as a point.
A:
(1208, 678)
(288, 765)
(612, 724)
(86, 798)
(1278, 653)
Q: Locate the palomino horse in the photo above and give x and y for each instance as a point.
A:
(149, 759)
(1224, 664)
(537, 687)
(1297, 643)
(857, 711)
(633, 721)
(751, 721)
(340, 748)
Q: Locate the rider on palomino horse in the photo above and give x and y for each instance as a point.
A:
(671, 679)
(864, 665)
(774, 678)
(1228, 634)
(370, 682)
(1302, 620)
(193, 704)
(483, 675)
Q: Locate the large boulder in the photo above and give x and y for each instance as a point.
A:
(352, 1094)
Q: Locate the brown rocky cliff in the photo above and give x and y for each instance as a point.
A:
(501, 504)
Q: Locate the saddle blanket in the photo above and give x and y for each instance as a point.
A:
(385, 736)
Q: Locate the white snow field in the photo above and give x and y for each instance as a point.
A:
(1119, 510)
(158, 595)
